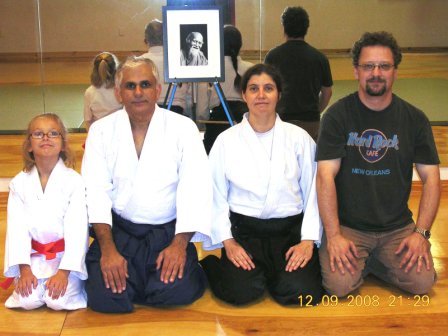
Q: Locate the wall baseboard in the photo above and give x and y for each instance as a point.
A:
(86, 56)
(62, 56)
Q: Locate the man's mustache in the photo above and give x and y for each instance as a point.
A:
(376, 79)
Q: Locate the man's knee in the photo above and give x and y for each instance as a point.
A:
(101, 299)
(178, 293)
(341, 284)
(339, 291)
(336, 283)
(109, 302)
(418, 283)
(193, 283)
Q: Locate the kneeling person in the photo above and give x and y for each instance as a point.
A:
(149, 195)
(367, 146)
(264, 176)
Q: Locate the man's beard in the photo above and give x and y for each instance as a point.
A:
(376, 93)
(194, 51)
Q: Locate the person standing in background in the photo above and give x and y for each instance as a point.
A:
(306, 74)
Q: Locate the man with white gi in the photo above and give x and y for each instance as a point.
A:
(149, 195)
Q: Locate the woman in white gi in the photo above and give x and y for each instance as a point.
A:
(265, 204)
(99, 98)
(47, 233)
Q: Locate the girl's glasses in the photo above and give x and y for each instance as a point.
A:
(40, 134)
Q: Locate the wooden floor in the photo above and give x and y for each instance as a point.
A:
(376, 309)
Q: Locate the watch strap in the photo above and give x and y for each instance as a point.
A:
(425, 233)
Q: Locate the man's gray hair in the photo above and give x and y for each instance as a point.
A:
(131, 62)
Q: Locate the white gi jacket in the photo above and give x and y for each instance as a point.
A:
(171, 179)
(59, 212)
(247, 181)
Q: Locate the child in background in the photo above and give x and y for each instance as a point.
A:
(99, 98)
(47, 226)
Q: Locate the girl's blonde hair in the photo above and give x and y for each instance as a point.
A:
(66, 154)
(103, 71)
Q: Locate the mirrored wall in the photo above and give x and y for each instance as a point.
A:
(46, 46)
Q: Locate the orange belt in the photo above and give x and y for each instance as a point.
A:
(49, 250)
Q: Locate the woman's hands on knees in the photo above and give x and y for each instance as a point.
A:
(238, 255)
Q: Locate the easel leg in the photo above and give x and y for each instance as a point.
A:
(172, 96)
(167, 93)
(224, 103)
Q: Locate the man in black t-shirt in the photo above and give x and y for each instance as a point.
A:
(305, 71)
(367, 146)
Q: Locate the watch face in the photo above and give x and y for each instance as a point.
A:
(424, 233)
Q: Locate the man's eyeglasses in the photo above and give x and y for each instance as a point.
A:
(41, 134)
(372, 66)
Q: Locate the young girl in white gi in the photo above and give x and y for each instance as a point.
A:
(47, 230)
(99, 98)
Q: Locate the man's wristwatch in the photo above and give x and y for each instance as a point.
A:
(425, 233)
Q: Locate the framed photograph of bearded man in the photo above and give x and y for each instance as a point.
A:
(193, 44)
